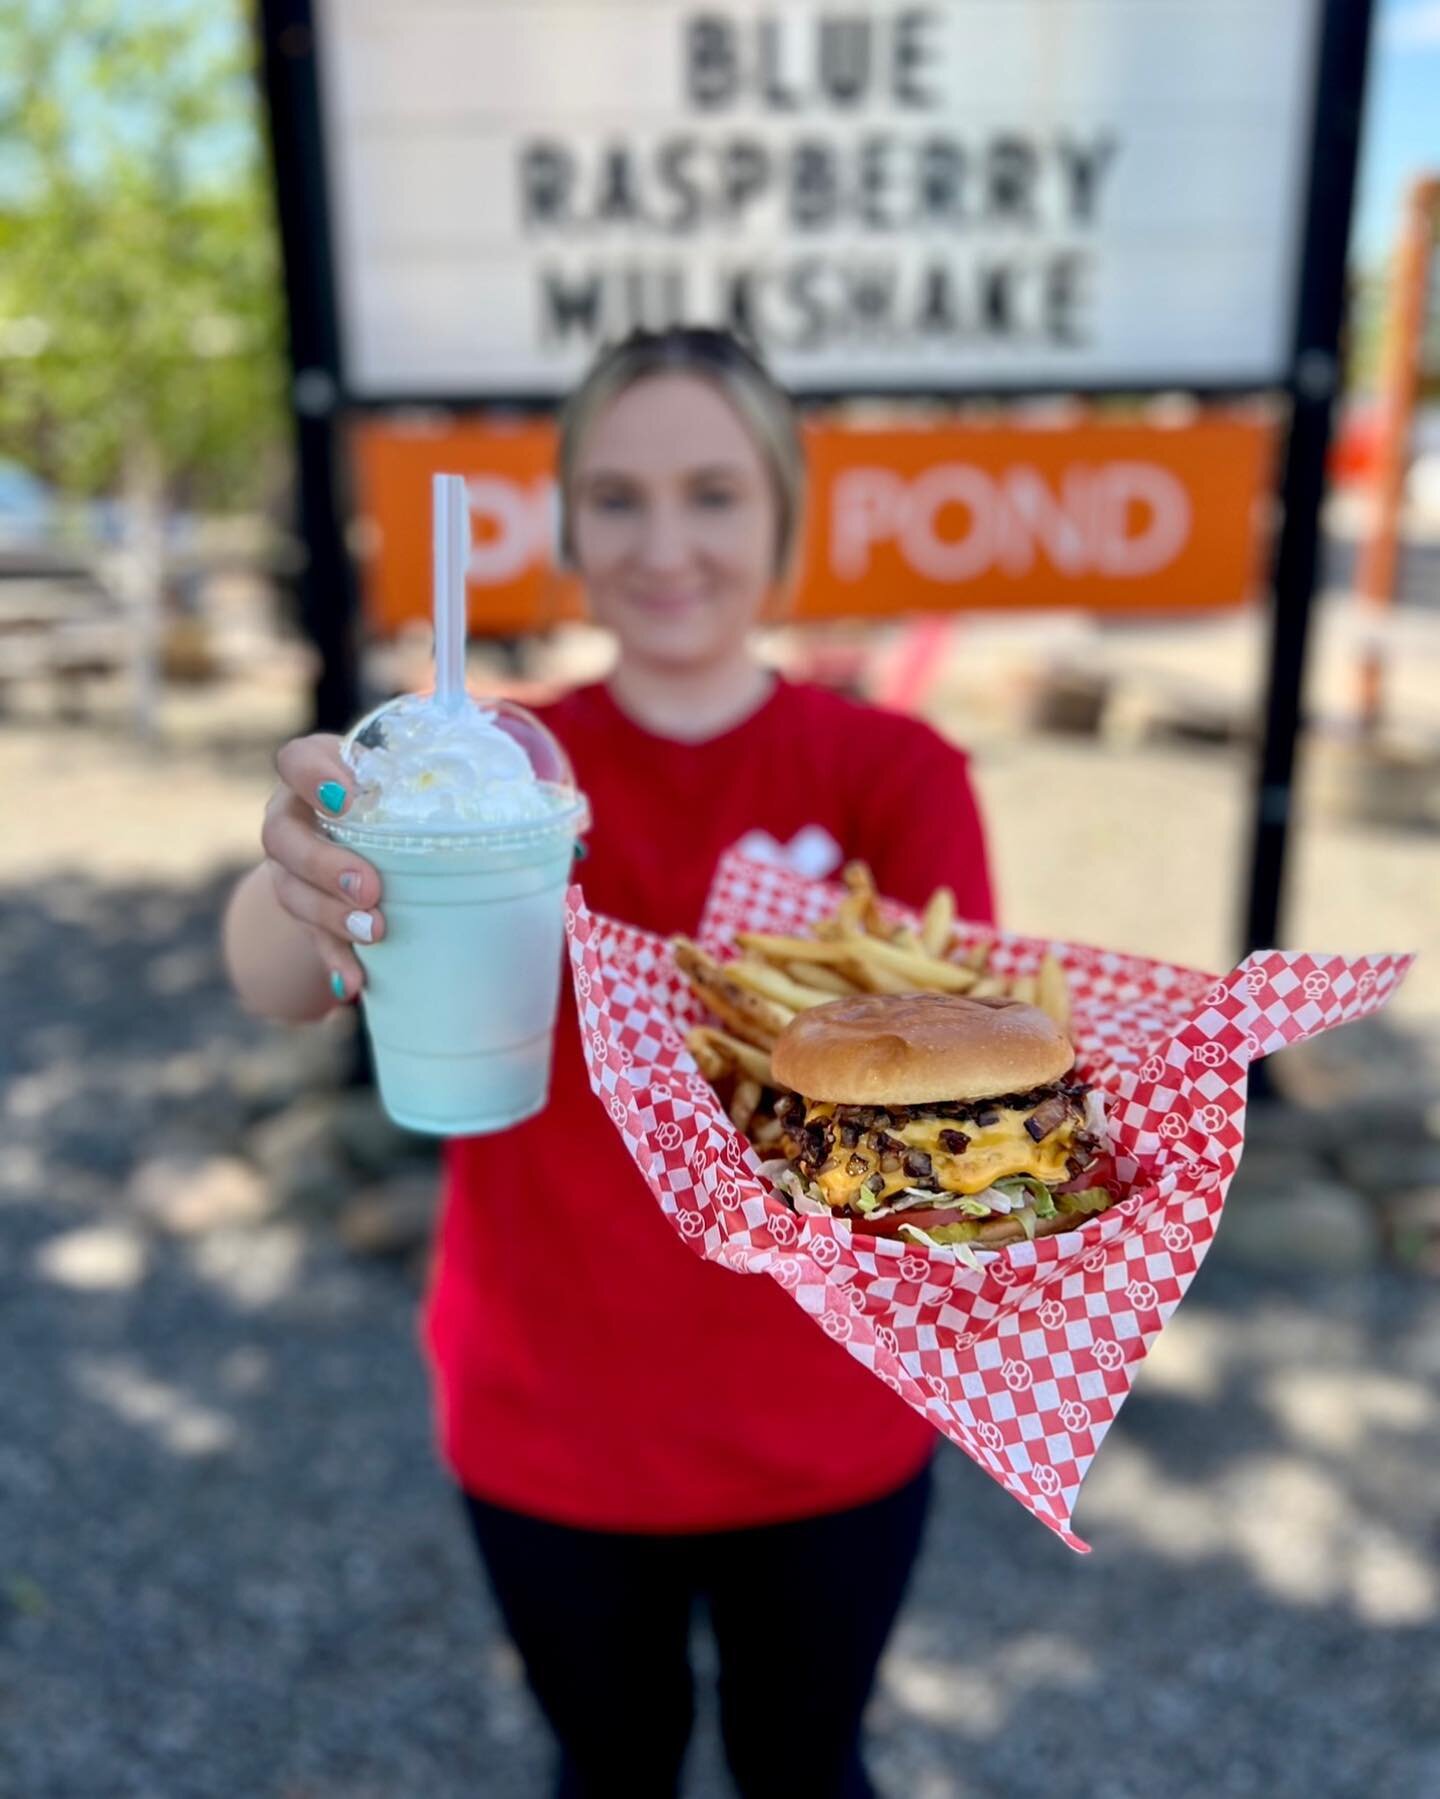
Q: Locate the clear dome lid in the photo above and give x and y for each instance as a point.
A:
(484, 767)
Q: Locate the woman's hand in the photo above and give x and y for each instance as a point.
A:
(327, 888)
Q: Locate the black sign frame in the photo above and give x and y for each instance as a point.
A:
(329, 604)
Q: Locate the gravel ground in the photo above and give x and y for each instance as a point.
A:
(229, 1564)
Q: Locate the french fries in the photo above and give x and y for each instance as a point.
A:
(853, 951)
(827, 981)
(710, 1059)
(1054, 991)
(765, 1131)
(923, 973)
(744, 1102)
(850, 916)
(748, 1014)
(718, 1049)
(859, 879)
(773, 984)
(990, 987)
(861, 882)
(937, 921)
(879, 979)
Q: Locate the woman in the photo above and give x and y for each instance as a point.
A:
(643, 1429)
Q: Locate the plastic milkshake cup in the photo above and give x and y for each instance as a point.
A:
(469, 810)
(471, 815)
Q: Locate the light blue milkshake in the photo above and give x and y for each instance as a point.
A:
(471, 815)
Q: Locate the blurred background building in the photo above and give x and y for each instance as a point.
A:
(1037, 284)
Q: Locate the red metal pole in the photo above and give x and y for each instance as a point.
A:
(1404, 334)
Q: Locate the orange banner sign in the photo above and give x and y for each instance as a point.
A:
(1118, 518)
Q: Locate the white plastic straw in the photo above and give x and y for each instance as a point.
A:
(451, 526)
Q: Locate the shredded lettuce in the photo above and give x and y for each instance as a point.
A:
(1092, 1199)
(944, 1233)
(993, 1200)
(910, 1199)
(953, 1237)
(955, 1202)
(808, 1201)
(1027, 1191)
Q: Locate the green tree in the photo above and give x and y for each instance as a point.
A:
(140, 319)
(139, 284)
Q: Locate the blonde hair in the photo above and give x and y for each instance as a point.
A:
(723, 360)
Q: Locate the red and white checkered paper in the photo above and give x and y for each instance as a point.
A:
(1025, 1364)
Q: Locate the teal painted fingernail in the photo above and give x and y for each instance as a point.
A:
(337, 984)
(582, 850)
(331, 795)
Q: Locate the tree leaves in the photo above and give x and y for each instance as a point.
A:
(139, 273)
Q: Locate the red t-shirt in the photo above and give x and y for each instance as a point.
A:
(589, 1367)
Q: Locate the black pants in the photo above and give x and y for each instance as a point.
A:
(800, 1613)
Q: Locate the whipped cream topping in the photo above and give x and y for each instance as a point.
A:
(422, 763)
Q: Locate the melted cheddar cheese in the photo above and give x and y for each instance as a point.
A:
(995, 1151)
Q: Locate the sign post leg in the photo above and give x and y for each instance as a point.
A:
(1339, 92)
(328, 608)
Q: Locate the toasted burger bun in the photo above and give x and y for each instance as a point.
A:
(910, 1048)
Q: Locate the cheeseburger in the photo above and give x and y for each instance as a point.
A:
(941, 1118)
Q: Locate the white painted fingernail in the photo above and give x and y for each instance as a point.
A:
(361, 927)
